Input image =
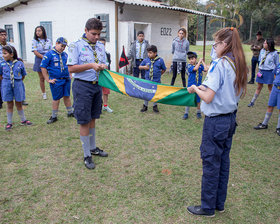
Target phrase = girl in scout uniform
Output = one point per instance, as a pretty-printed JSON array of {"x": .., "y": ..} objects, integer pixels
[
  {"x": 274, "y": 100},
  {"x": 40, "y": 45},
  {"x": 220, "y": 92},
  {"x": 12, "y": 72},
  {"x": 268, "y": 60}
]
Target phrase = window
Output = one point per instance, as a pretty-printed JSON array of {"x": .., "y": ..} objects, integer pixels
[
  {"x": 104, "y": 18},
  {"x": 48, "y": 27},
  {"x": 10, "y": 33}
]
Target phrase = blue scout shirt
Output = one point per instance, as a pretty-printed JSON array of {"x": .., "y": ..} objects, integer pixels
[
  {"x": 143, "y": 45},
  {"x": 220, "y": 78},
  {"x": 195, "y": 77},
  {"x": 277, "y": 75},
  {"x": 42, "y": 46},
  {"x": 18, "y": 69},
  {"x": 271, "y": 60},
  {"x": 80, "y": 52},
  {"x": 157, "y": 68},
  {"x": 51, "y": 61}
]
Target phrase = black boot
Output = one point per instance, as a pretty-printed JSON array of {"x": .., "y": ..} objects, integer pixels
[
  {"x": 155, "y": 109},
  {"x": 145, "y": 108}
]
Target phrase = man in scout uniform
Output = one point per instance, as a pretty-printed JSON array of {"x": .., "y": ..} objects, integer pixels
[{"x": 86, "y": 58}]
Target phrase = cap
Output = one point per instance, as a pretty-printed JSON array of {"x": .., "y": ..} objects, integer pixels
[
  {"x": 62, "y": 40},
  {"x": 192, "y": 53},
  {"x": 259, "y": 33}
]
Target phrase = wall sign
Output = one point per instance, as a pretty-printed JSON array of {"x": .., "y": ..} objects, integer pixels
[{"x": 164, "y": 31}]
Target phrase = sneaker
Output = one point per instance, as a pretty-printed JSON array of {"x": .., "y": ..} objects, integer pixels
[
  {"x": 71, "y": 114},
  {"x": 145, "y": 108},
  {"x": 8, "y": 127},
  {"x": 198, "y": 115},
  {"x": 52, "y": 120},
  {"x": 197, "y": 210},
  {"x": 24, "y": 103},
  {"x": 26, "y": 123},
  {"x": 44, "y": 95},
  {"x": 278, "y": 131},
  {"x": 251, "y": 104},
  {"x": 155, "y": 109},
  {"x": 108, "y": 109},
  {"x": 220, "y": 210},
  {"x": 251, "y": 82},
  {"x": 89, "y": 163},
  {"x": 98, "y": 152},
  {"x": 186, "y": 116},
  {"x": 261, "y": 126}
]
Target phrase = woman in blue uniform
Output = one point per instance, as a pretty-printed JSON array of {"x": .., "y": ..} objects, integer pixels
[
  {"x": 40, "y": 45},
  {"x": 268, "y": 60},
  {"x": 220, "y": 92}
]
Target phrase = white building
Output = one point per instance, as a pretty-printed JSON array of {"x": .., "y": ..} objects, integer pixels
[{"x": 121, "y": 20}]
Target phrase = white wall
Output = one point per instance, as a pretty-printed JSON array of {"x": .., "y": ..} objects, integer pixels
[
  {"x": 158, "y": 18},
  {"x": 68, "y": 20}
]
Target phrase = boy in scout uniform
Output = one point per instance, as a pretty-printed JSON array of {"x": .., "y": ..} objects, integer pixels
[
  {"x": 86, "y": 58},
  {"x": 55, "y": 72}
]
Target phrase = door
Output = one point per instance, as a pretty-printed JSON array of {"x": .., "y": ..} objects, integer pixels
[{"x": 22, "y": 43}]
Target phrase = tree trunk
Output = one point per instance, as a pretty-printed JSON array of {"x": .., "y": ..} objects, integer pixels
[{"x": 251, "y": 27}]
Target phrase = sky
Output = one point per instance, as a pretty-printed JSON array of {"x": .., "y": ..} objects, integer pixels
[{"x": 203, "y": 1}]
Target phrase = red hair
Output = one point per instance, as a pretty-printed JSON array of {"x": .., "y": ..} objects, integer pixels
[{"x": 230, "y": 36}]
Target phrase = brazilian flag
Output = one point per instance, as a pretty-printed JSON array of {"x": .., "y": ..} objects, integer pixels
[{"x": 146, "y": 90}]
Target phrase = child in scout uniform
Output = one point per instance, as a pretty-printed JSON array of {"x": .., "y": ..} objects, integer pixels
[
  {"x": 12, "y": 72},
  {"x": 268, "y": 61},
  {"x": 40, "y": 46},
  {"x": 274, "y": 100},
  {"x": 225, "y": 82},
  {"x": 55, "y": 72},
  {"x": 154, "y": 67},
  {"x": 86, "y": 58},
  {"x": 106, "y": 91},
  {"x": 138, "y": 52},
  {"x": 195, "y": 70}
]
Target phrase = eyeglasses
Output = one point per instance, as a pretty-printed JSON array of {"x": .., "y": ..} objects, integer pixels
[{"x": 216, "y": 44}]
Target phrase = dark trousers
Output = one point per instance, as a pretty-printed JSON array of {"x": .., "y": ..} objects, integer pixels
[
  {"x": 254, "y": 61},
  {"x": 215, "y": 148},
  {"x": 136, "y": 70},
  {"x": 1, "y": 101},
  {"x": 183, "y": 73}
]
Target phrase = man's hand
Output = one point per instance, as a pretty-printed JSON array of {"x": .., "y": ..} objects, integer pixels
[
  {"x": 52, "y": 81},
  {"x": 191, "y": 89}
]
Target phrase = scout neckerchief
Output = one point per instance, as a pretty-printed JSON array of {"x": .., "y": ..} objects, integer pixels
[
  {"x": 60, "y": 59},
  {"x": 43, "y": 43},
  {"x": 140, "y": 50},
  {"x": 12, "y": 72},
  {"x": 230, "y": 61},
  {"x": 93, "y": 48},
  {"x": 152, "y": 66},
  {"x": 263, "y": 60}
]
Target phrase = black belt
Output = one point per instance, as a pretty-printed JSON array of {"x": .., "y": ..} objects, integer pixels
[
  {"x": 91, "y": 82},
  {"x": 223, "y": 115},
  {"x": 139, "y": 59},
  {"x": 59, "y": 78}
]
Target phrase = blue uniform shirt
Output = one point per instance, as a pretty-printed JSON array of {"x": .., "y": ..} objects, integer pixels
[
  {"x": 80, "y": 52},
  {"x": 220, "y": 78},
  {"x": 277, "y": 75},
  {"x": 18, "y": 70},
  {"x": 51, "y": 61},
  {"x": 195, "y": 77},
  {"x": 157, "y": 68},
  {"x": 271, "y": 61},
  {"x": 42, "y": 46},
  {"x": 143, "y": 45}
]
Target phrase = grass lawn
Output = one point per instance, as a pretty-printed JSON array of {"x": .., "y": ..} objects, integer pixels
[{"x": 153, "y": 171}]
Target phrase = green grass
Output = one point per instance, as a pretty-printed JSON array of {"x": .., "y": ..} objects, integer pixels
[{"x": 153, "y": 171}]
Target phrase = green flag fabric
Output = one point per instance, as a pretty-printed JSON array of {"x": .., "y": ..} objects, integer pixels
[{"x": 146, "y": 90}]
